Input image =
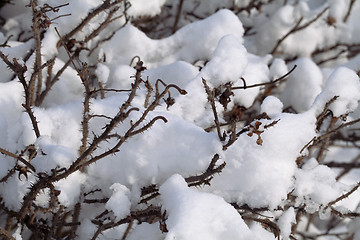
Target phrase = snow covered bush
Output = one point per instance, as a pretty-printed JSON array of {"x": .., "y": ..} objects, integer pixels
[{"x": 218, "y": 119}]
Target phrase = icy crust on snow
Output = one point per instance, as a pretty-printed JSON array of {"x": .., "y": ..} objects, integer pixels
[
  {"x": 197, "y": 215},
  {"x": 201, "y": 37}
]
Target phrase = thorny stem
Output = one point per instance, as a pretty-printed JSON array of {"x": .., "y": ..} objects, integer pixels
[
  {"x": 86, "y": 111},
  {"x": 103, "y": 24},
  {"x": 37, "y": 65},
  {"x": 106, "y": 5},
  {"x": 10, "y": 154},
  {"x": 33, "y": 120},
  {"x": 213, "y": 107}
]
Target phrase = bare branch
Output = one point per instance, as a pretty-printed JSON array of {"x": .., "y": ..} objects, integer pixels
[
  {"x": 280, "y": 79},
  {"x": 297, "y": 28}
]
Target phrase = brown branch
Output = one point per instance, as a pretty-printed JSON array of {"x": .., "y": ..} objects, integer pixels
[
  {"x": 325, "y": 143},
  {"x": 33, "y": 120},
  {"x": 50, "y": 82},
  {"x": 37, "y": 74},
  {"x": 343, "y": 196},
  {"x": 177, "y": 17},
  {"x": 10, "y": 154},
  {"x": 131, "y": 130},
  {"x": 86, "y": 110},
  {"x": 103, "y": 24},
  {"x": 348, "y": 166},
  {"x": 127, "y": 231},
  {"x": 297, "y": 28},
  {"x": 322, "y": 116},
  {"x": 213, "y": 107},
  {"x": 142, "y": 215},
  {"x": 106, "y": 5},
  {"x": 149, "y": 125},
  {"x": 347, "y": 15},
  {"x": 316, "y": 140},
  {"x": 206, "y": 177},
  {"x": 9, "y": 174},
  {"x": 280, "y": 79},
  {"x": 7, "y": 235},
  {"x": 19, "y": 71}
]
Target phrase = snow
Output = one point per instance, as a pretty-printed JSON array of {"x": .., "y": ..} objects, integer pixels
[
  {"x": 285, "y": 222},
  {"x": 316, "y": 185},
  {"x": 272, "y": 106},
  {"x": 228, "y": 62},
  {"x": 202, "y": 37},
  {"x": 144, "y": 7},
  {"x": 201, "y": 215},
  {"x": 70, "y": 188},
  {"x": 344, "y": 83},
  {"x": 102, "y": 72},
  {"x": 303, "y": 85},
  {"x": 269, "y": 185},
  {"x": 267, "y": 166},
  {"x": 119, "y": 202}
]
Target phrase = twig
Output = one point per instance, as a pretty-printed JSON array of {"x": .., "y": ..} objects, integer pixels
[
  {"x": 213, "y": 107},
  {"x": 103, "y": 24},
  {"x": 206, "y": 177},
  {"x": 349, "y": 10},
  {"x": 6, "y": 234},
  {"x": 343, "y": 196},
  {"x": 33, "y": 120},
  {"x": 322, "y": 116},
  {"x": 321, "y": 153},
  {"x": 106, "y": 5},
  {"x": 177, "y": 17},
  {"x": 280, "y": 79},
  {"x": 127, "y": 231},
  {"x": 10, "y": 154},
  {"x": 37, "y": 74},
  {"x": 315, "y": 140},
  {"x": 297, "y": 28}
]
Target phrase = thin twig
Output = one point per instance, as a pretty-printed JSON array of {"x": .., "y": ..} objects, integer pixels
[
  {"x": 177, "y": 17},
  {"x": 347, "y": 15},
  {"x": 297, "y": 28},
  {"x": 33, "y": 120},
  {"x": 213, "y": 107},
  {"x": 10, "y": 154},
  {"x": 280, "y": 79}
]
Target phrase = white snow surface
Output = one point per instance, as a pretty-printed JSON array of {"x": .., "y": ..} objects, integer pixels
[{"x": 219, "y": 220}]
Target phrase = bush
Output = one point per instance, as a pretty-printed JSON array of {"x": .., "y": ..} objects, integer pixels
[{"x": 179, "y": 119}]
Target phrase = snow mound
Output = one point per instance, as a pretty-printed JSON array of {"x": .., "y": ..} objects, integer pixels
[{"x": 194, "y": 214}]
